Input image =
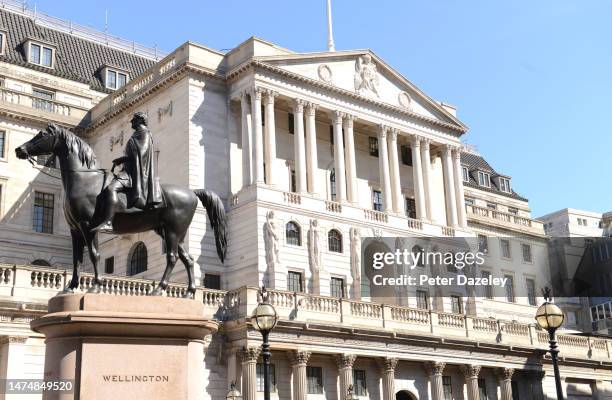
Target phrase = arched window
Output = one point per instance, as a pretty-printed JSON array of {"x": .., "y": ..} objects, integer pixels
[
  {"x": 41, "y": 263},
  {"x": 138, "y": 259},
  {"x": 334, "y": 241},
  {"x": 293, "y": 233},
  {"x": 332, "y": 184},
  {"x": 418, "y": 252}
]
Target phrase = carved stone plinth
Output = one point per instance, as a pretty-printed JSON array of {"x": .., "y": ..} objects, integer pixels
[{"x": 120, "y": 347}]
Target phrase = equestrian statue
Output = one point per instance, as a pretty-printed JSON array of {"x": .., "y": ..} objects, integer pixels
[{"x": 130, "y": 201}]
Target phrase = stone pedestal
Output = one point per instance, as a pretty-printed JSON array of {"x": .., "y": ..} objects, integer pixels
[{"x": 120, "y": 347}]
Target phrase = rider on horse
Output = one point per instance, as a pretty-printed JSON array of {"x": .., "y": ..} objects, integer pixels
[{"x": 138, "y": 178}]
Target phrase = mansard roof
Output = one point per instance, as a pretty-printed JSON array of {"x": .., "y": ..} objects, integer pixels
[
  {"x": 475, "y": 162},
  {"x": 77, "y": 59}
]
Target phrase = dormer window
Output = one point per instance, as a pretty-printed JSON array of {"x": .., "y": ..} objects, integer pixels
[
  {"x": 504, "y": 185},
  {"x": 484, "y": 179},
  {"x": 2, "y": 41},
  {"x": 114, "y": 79},
  {"x": 465, "y": 174},
  {"x": 40, "y": 54}
]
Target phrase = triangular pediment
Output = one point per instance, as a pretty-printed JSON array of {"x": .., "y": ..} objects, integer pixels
[{"x": 365, "y": 74}]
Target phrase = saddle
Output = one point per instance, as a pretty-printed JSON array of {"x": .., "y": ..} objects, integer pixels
[{"x": 122, "y": 198}]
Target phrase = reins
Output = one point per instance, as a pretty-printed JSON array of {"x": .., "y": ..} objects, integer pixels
[{"x": 35, "y": 166}]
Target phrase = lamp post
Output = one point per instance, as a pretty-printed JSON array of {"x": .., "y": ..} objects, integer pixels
[
  {"x": 265, "y": 318},
  {"x": 233, "y": 393},
  {"x": 550, "y": 317}
]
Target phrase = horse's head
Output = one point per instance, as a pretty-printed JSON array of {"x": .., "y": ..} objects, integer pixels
[{"x": 44, "y": 143}]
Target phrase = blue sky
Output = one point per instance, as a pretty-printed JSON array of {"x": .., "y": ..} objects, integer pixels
[{"x": 530, "y": 78}]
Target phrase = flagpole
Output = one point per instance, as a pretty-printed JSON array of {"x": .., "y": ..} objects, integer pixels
[{"x": 330, "y": 33}]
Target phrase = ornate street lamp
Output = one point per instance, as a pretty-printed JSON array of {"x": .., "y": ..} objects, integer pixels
[
  {"x": 265, "y": 318},
  {"x": 550, "y": 317},
  {"x": 233, "y": 393}
]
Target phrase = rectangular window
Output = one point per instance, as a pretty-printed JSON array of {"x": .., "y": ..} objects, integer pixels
[
  {"x": 122, "y": 80},
  {"x": 373, "y": 146},
  {"x": 504, "y": 185},
  {"x": 291, "y": 123},
  {"x": 260, "y": 377},
  {"x": 509, "y": 288},
  {"x": 465, "y": 174},
  {"x": 2, "y": 143},
  {"x": 488, "y": 289},
  {"x": 1, "y": 42},
  {"x": 111, "y": 79},
  {"x": 410, "y": 208},
  {"x": 337, "y": 287},
  {"x": 293, "y": 184},
  {"x": 482, "y": 389},
  {"x": 422, "y": 299},
  {"x": 47, "y": 57},
  {"x": 456, "y": 304},
  {"x": 377, "y": 200},
  {"x": 483, "y": 244},
  {"x": 41, "y": 55},
  {"x": 109, "y": 265},
  {"x": 34, "y": 53},
  {"x": 406, "y": 155},
  {"x": 212, "y": 281},
  {"x": 484, "y": 179},
  {"x": 531, "y": 291},
  {"x": 526, "y": 249},
  {"x": 42, "y": 100},
  {"x": 505, "y": 248},
  {"x": 42, "y": 220},
  {"x": 359, "y": 382},
  {"x": 294, "y": 281},
  {"x": 447, "y": 387},
  {"x": 314, "y": 380}
]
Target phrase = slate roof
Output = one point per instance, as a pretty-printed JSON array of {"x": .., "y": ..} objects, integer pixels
[
  {"x": 76, "y": 58},
  {"x": 475, "y": 162}
]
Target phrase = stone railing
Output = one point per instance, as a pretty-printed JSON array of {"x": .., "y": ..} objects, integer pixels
[
  {"x": 21, "y": 102},
  {"x": 292, "y": 198},
  {"x": 511, "y": 220},
  {"x": 377, "y": 216},
  {"x": 333, "y": 206}
]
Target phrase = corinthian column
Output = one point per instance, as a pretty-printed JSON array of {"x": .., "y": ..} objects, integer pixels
[
  {"x": 311, "y": 148},
  {"x": 247, "y": 149},
  {"x": 298, "y": 360},
  {"x": 383, "y": 167},
  {"x": 339, "y": 157},
  {"x": 449, "y": 187},
  {"x": 257, "y": 135},
  {"x": 345, "y": 372},
  {"x": 298, "y": 146},
  {"x": 426, "y": 166},
  {"x": 270, "y": 137},
  {"x": 396, "y": 186},
  {"x": 417, "y": 176},
  {"x": 461, "y": 217},
  {"x": 387, "y": 367},
  {"x": 504, "y": 377},
  {"x": 351, "y": 166},
  {"x": 249, "y": 357},
  {"x": 470, "y": 372},
  {"x": 435, "y": 370}
]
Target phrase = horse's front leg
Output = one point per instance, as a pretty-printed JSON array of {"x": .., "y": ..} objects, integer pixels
[
  {"x": 91, "y": 239},
  {"x": 77, "y": 257},
  {"x": 171, "y": 258}
]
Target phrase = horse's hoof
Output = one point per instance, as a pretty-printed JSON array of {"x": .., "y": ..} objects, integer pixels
[
  {"x": 68, "y": 289},
  {"x": 94, "y": 289},
  {"x": 158, "y": 291},
  {"x": 189, "y": 295}
]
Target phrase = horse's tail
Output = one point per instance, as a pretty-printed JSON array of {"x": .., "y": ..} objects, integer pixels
[{"x": 216, "y": 217}]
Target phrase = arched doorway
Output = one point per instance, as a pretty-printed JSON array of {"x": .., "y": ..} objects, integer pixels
[{"x": 404, "y": 395}]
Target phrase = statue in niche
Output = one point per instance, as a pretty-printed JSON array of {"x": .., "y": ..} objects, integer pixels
[
  {"x": 314, "y": 253},
  {"x": 271, "y": 240},
  {"x": 356, "y": 255},
  {"x": 366, "y": 75}
]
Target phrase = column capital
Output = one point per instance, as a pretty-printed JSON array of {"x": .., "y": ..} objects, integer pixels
[
  {"x": 299, "y": 357},
  {"x": 348, "y": 120},
  {"x": 470, "y": 371},
  {"x": 504, "y": 374},
  {"x": 393, "y": 132},
  {"x": 457, "y": 152},
  {"x": 311, "y": 108},
  {"x": 382, "y": 131},
  {"x": 416, "y": 140},
  {"x": 337, "y": 116},
  {"x": 387, "y": 364},
  {"x": 345, "y": 360},
  {"x": 250, "y": 354},
  {"x": 269, "y": 96},
  {"x": 435, "y": 367},
  {"x": 426, "y": 143},
  {"x": 256, "y": 92},
  {"x": 298, "y": 105}
]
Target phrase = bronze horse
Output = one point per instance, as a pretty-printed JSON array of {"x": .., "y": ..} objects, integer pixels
[{"x": 83, "y": 182}]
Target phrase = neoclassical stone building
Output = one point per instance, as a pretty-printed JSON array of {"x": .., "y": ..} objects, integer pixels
[{"x": 311, "y": 152}]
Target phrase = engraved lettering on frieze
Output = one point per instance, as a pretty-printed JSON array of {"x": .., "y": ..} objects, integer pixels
[
  {"x": 366, "y": 76},
  {"x": 116, "y": 140},
  {"x": 167, "y": 110}
]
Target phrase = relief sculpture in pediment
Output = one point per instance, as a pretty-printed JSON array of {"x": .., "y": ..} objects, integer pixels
[{"x": 366, "y": 76}]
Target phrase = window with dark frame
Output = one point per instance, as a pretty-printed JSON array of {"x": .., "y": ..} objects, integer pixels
[
  {"x": 293, "y": 183},
  {"x": 2, "y": 143},
  {"x": 488, "y": 289},
  {"x": 337, "y": 287},
  {"x": 359, "y": 382},
  {"x": 260, "y": 377},
  {"x": 41, "y": 55},
  {"x": 509, "y": 287},
  {"x": 410, "y": 208},
  {"x": 421, "y": 259},
  {"x": 331, "y": 134},
  {"x": 332, "y": 185},
  {"x": 482, "y": 389},
  {"x": 526, "y": 250},
  {"x": 293, "y": 234},
  {"x": 465, "y": 174},
  {"x": 531, "y": 291},
  {"x": 42, "y": 219},
  {"x": 484, "y": 179},
  {"x": 42, "y": 99},
  {"x": 212, "y": 281},
  {"x": 109, "y": 265},
  {"x": 373, "y": 146},
  {"x": 314, "y": 380},
  {"x": 483, "y": 244},
  {"x": 1, "y": 42},
  {"x": 447, "y": 387},
  {"x": 115, "y": 79},
  {"x": 334, "y": 241},
  {"x": 505, "y": 247},
  {"x": 291, "y": 123},
  {"x": 377, "y": 200},
  {"x": 294, "y": 281},
  {"x": 406, "y": 155},
  {"x": 422, "y": 298},
  {"x": 456, "y": 304},
  {"x": 138, "y": 259}
]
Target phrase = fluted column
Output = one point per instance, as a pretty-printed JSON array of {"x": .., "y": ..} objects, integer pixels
[
  {"x": 470, "y": 372},
  {"x": 387, "y": 366},
  {"x": 270, "y": 137},
  {"x": 426, "y": 167},
  {"x": 345, "y": 372},
  {"x": 435, "y": 370},
  {"x": 311, "y": 148},
  {"x": 383, "y": 167},
  {"x": 461, "y": 215},
  {"x": 504, "y": 377},
  {"x": 339, "y": 157},
  {"x": 298, "y": 146},
  {"x": 351, "y": 166},
  {"x": 417, "y": 176},
  {"x": 249, "y": 357},
  {"x": 449, "y": 187},
  {"x": 257, "y": 135},
  {"x": 396, "y": 186},
  {"x": 247, "y": 149},
  {"x": 299, "y": 360}
]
